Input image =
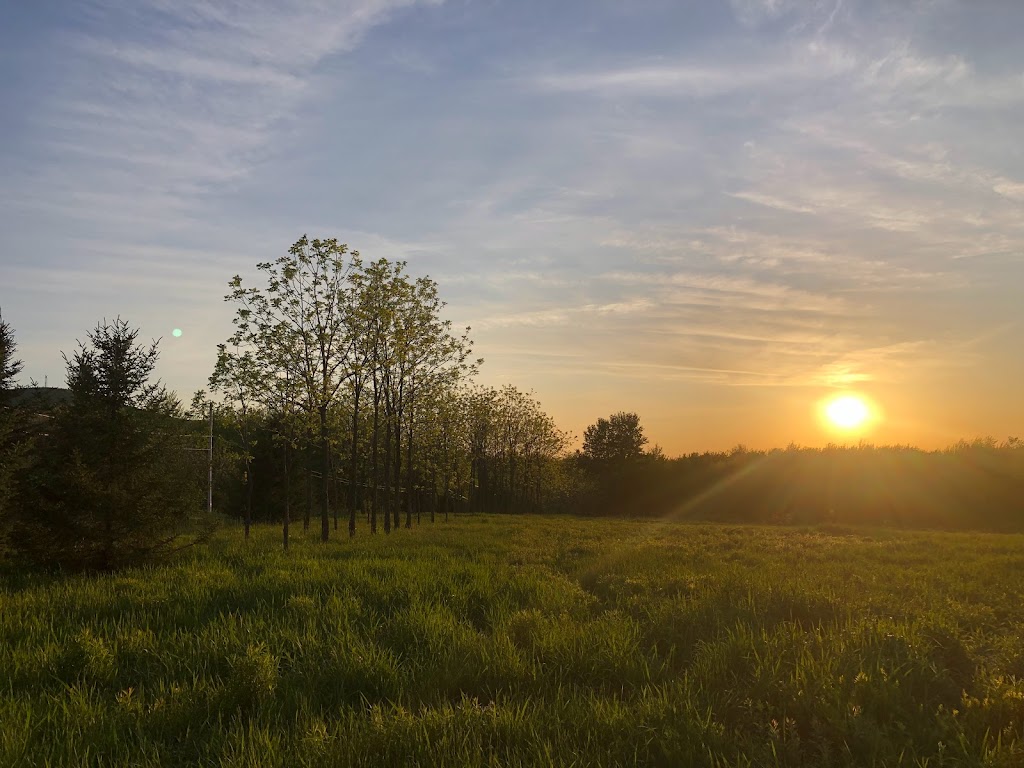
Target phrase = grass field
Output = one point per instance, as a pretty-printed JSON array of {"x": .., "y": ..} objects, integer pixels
[{"x": 528, "y": 641}]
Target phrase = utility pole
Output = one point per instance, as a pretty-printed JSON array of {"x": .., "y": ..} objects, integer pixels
[{"x": 209, "y": 487}]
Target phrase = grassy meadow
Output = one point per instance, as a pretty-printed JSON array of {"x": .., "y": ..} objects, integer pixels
[{"x": 519, "y": 641}]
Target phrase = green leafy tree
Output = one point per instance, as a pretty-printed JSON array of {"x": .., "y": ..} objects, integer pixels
[
  {"x": 616, "y": 440},
  {"x": 434, "y": 358},
  {"x": 239, "y": 378},
  {"x": 370, "y": 319},
  {"x": 513, "y": 447},
  {"x": 284, "y": 407},
  {"x": 297, "y": 323},
  {"x": 611, "y": 465},
  {"x": 117, "y": 484}
]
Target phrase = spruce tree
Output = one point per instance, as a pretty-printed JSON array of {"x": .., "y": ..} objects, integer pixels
[
  {"x": 118, "y": 485},
  {"x": 13, "y": 433}
]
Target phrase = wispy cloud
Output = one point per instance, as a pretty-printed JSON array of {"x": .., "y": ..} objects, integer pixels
[
  {"x": 164, "y": 119},
  {"x": 563, "y": 315},
  {"x": 710, "y": 288},
  {"x": 162, "y": 113},
  {"x": 798, "y": 65},
  {"x": 892, "y": 362}
]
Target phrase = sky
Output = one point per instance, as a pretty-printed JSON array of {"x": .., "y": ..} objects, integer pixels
[{"x": 714, "y": 214}]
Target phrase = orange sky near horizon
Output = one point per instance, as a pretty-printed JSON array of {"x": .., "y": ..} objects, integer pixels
[{"x": 932, "y": 408}]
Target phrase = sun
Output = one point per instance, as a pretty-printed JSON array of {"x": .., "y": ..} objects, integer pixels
[{"x": 847, "y": 412}]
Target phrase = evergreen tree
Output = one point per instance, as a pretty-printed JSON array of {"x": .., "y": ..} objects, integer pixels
[
  {"x": 9, "y": 366},
  {"x": 14, "y": 441},
  {"x": 117, "y": 484}
]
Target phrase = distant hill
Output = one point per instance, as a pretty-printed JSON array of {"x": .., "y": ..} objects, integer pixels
[
  {"x": 41, "y": 399},
  {"x": 45, "y": 399}
]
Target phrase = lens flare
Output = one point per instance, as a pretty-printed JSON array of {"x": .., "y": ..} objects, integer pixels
[{"x": 176, "y": 333}]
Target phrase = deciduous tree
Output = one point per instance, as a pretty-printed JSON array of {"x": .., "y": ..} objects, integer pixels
[
  {"x": 615, "y": 440},
  {"x": 297, "y": 323}
]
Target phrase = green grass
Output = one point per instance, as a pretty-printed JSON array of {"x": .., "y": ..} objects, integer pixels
[{"x": 528, "y": 641}]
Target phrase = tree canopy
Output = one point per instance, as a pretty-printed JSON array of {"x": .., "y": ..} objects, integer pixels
[
  {"x": 114, "y": 484},
  {"x": 615, "y": 440}
]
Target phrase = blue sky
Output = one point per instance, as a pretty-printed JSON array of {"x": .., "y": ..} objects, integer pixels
[{"x": 711, "y": 213}]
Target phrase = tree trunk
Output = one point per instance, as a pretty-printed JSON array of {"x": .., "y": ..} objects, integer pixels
[
  {"x": 287, "y": 493},
  {"x": 325, "y": 468},
  {"x": 335, "y": 495},
  {"x": 308, "y": 510},
  {"x": 408, "y": 472},
  {"x": 248, "y": 497},
  {"x": 387, "y": 474},
  {"x": 433, "y": 493},
  {"x": 447, "y": 484},
  {"x": 397, "y": 506},
  {"x": 353, "y": 460},
  {"x": 374, "y": 462}
]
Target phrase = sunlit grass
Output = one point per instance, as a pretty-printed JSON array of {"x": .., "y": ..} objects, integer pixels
[{"x": 526, "y": 641}]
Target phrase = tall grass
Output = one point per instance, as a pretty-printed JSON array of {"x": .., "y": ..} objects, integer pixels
[{"x": 519, "y": 641}]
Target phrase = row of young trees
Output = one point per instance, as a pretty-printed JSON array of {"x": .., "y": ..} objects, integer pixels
[
  {"x": 347, "y": 372},
  {"x": 479, "y": 449}
]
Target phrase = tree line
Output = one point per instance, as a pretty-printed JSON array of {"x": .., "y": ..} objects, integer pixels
[
  {"x": 972, "y": 485},
  {"x": 351, "y": 397}
]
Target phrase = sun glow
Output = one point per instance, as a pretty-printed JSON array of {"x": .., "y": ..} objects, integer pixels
[{"x": 847, "y": 412}]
